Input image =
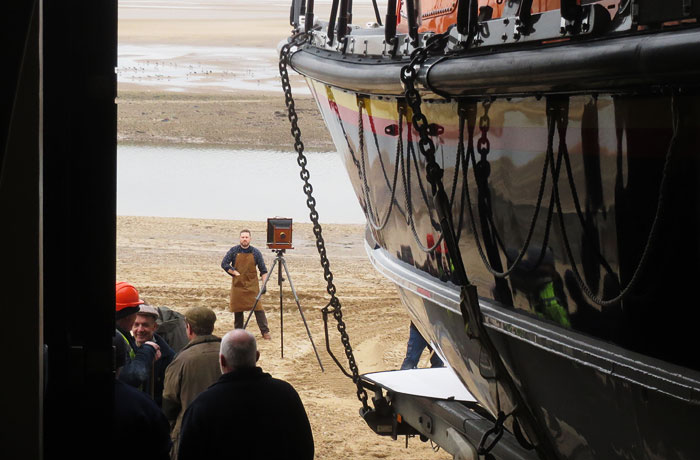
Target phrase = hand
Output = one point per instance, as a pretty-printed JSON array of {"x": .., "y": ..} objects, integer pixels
[
  {"x": 235, "y": 272},
  {"x": 156, "y": 347}
]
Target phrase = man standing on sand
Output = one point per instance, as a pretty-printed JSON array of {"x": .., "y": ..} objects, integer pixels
[
  {"x": 240, "y": 262},
  {"x": 193, "y": 369},
  {"x": 246, "y": 413}
]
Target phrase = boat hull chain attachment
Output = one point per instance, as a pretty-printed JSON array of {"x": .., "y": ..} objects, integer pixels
[{"x": 334, "y": 306}]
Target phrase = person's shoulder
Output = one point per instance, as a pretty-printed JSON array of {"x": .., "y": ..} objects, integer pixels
[
  {"x": 165, "y": 347},
  {"x": 280, "y": 384},
  {"x": 124, "y": 393},
  {"x": 211, "y": 395}
]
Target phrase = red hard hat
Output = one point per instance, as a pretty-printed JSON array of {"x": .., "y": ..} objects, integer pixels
[{"x": 127, "y": 296}]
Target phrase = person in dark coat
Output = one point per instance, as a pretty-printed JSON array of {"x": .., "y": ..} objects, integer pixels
[
  {"x": 139, "y": 360},
  {"x": 139, "y": 426},
  {"x": 247, "y": 412},
  {"x": 144, "y": 330}
]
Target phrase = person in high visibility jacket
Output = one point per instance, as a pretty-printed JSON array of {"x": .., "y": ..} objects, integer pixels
[
  {"x": 139, "y": 360},
  {"x": 138, "y": 424},
  {"x": 144, "y": 330}
]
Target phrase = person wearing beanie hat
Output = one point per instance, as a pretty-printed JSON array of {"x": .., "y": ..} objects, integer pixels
[
  {"x": 194, "y": 368},
  {"x": 137, "y": 369}
]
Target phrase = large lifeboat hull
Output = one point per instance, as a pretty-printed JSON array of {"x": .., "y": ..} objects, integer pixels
[{"x": 573, "y": 168}]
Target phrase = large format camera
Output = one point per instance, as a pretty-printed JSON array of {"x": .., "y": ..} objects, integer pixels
[{"x": 279, "y": 233}]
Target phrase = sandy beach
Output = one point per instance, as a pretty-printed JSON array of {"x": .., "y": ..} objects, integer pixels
[
  {"x": 176, "y": 263},
  {"x": 191, "y": 91}
]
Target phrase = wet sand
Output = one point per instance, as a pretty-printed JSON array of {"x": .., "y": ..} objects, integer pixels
[
  {"x": 176, "y": 263},
  {"x": 245, "y": 119}
]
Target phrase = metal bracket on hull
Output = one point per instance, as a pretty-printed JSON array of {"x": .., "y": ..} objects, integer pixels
[
  {"x": 469, "y": 304},
  {"x": 542, "y": 27},
  {"x": 455, "y": 422}
]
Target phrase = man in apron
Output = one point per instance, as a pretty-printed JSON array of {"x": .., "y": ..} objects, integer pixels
[{"x": 240, "y": 262}]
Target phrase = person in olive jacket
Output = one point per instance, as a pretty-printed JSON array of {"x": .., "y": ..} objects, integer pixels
[
  {"x": 247, "y": 412},
  {"x": 193, "y": 370}
]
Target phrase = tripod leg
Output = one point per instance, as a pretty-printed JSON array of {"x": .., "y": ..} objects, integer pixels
[
  {"x": 257, "y": 298},
  {"x": 296, "y": 298},
  {"x": 279, "y": 282}
]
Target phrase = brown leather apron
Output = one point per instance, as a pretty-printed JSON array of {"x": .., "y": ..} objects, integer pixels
[{"x": 244, "y": 287}]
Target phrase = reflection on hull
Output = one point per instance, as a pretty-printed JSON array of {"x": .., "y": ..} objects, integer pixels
[
  {"x": 597, "y": 400},
  {"x": 569, "y": 156},
  {"x": 577, "y": 244}
]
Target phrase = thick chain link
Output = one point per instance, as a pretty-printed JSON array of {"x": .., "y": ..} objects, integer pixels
[
  {"x": 434, "y": 173},
  {"x": 333, "y": 305},
  {"x": 409, "y": 75}
]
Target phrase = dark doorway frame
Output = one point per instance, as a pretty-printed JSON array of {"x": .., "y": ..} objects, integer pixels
[{"x": 58, "y": 234}]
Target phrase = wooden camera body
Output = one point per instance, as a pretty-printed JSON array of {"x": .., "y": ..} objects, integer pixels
[{"x": 279, "y": 233}]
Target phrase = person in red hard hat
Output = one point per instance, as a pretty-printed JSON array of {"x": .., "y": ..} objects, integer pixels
[{"x": 137, "y": 369}]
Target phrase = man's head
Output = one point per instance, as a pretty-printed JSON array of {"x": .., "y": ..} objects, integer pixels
[
  {"x": 145, "y": 325},
  {"x": 238, "y": 351},
  {"x": 199, "y": 321},
  {"x": 245, "y": 238},
  {"x": 128, "y": 302}
]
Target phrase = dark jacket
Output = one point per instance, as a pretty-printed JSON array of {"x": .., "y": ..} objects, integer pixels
[
  {"x": 140, "y": 428},
  {"x": 166, "y": 357},
  {"x": 264, "y": 415},
  {"x": 137, "y": 370}
]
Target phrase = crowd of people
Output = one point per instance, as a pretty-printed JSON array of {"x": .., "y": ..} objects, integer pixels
[
  {"x": 188, "y": 404},
  {"x": 184, "y": 393}
]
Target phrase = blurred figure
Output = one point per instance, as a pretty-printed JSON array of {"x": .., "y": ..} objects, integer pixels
[
  {"x": 414, "y": 350},
  {"x": 171, "y": 327},
  {"x": 139, "y": 425},
  {"x": 144, "y": 330},
  {"x": 193, "y": 370},
  {"x": 537, "y": 278},
  {"x": 265, "y": 414}
]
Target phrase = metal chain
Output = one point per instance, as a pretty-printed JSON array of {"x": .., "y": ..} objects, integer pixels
[
  {"x": 434, "y": 173},
  {"x": 373, "y": 130},
  {"x": 365, "y": 185},
  {"x": 481, "y": 171},
  {"x": 405, "y": 172},
  {"x": 333, "y": 305},
  {"x": 469, "y": 303},
  {"x": 560, "y": 119}
]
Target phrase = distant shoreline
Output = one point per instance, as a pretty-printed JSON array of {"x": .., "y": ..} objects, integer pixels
[{"x": 244, "y": 119}]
